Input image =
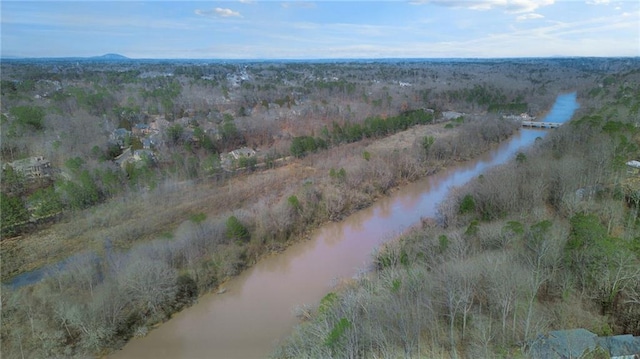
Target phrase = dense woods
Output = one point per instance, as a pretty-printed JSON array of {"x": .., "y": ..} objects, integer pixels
[{"x": 143, "y": 205}]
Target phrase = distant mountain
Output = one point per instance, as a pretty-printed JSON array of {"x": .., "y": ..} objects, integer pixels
[
  {"x": 104, "y": 58},
  {"x": 109, "y": 57}
]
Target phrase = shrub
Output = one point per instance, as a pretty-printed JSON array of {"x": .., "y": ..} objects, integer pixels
[
  {"x": 467, "y": 205},
  {"x": 236, "y": 230},
  {"x": 13, "y": 213},
  {"x": 186, "y": 293}
]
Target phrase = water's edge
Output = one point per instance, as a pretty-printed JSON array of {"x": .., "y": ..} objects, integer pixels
[{"x": 257, "y": 309}]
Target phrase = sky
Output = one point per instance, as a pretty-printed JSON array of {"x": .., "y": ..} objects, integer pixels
[{"x": 269, "y": 29}]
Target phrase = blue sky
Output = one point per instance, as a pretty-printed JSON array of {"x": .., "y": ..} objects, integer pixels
[{"x": 261, "y": 29}]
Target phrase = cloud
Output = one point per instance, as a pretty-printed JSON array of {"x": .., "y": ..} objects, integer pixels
[
  {"x": 218, "y": 12},
  {"x": 598, "y": 2},
  {"x": 529, "y": 16},
  {"x": 510, "y": 6},
  {"x": 247, "y": 1}
]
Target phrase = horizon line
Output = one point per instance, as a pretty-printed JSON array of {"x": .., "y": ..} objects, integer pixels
[{"x": 124, "y": 58}]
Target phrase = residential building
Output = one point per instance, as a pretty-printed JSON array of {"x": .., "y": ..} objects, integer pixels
[
  {"x": 32, "y": 167},
  {"x": 633, "y": 167},
  {"x": 576, "y": 343}
]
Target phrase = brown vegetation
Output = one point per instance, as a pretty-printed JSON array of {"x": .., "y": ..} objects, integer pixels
[
  {"x": 140, "y": 243},
  {"x": 548, "y": 241}
]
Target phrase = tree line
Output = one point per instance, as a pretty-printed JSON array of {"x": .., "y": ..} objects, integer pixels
[{"x": 371, "y": 127}]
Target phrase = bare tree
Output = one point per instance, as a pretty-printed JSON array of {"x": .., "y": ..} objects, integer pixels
[
  {"x": 457, "y": 285},
  {"x": 544, "y": 246},
  {"x": 504, "y": 282},
  {"x": 616, "y": 277},
  {"x": 149, "y": 283},
  {"x": 335, "y": 202}
]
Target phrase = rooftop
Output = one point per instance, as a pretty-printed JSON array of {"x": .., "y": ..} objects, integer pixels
[{"x": 574, "y": 343}]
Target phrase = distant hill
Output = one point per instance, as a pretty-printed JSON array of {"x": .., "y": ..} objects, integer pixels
[
  {"x": 102, "y": 58},
  {"x": 109, "y": 57}
]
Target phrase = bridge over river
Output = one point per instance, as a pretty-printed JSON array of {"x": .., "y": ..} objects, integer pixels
[{"x": 540, "y": 124}]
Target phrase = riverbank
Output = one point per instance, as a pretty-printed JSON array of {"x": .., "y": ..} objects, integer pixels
[
  {"x": 256, "y": 309},
  {"x": 524, "y": 252},
  {"x": 202, "y": 252}
]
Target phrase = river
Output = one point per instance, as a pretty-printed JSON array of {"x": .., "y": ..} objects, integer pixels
[{"x": 257, "y": 310}]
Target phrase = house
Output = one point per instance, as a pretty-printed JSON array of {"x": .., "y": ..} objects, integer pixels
[
  {"x": 242, "y": 152},
  {"x": 575, "y": 343},
  {"x": 32, "y": 167},
  {"x": 521, "y": 117},
  {"x": 141, "y": 129},
  {"x": 229, "y": 159},
  {"x": 133, "y": 157},
  {"x": 633, "y": 167},
  {"x": 621, "y": 346}
]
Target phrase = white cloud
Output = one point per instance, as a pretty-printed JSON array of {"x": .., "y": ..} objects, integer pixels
[
  {"x": 598, "y": 2},
  {"x": 226, "y": 12},
  {"x": 510, "y": 6},
  {"x": 218, "y": 12},
  {"x": 247, "y": 1},
  {"x": 521, "y": 6},
  {"x": 529, "y": 16}
]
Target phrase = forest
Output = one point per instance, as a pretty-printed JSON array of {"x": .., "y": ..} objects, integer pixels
[{"x": 254, "y": 155}]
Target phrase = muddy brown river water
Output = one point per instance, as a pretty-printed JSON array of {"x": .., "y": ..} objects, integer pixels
[{"x": 257, "y": 310}]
